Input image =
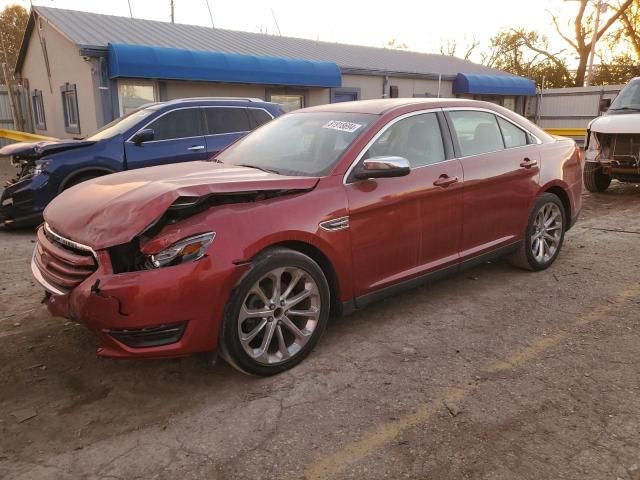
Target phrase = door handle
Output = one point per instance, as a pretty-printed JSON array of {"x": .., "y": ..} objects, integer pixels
[
  {"x": 196, "y": 148},
  {"x": 445, "y": 181},
  {"x": 528, "y": 163}
]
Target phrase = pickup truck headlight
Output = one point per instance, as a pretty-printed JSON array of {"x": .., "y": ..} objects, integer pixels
[{"x": 188, "y": 250}]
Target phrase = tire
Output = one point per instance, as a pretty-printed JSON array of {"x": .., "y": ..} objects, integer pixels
[
  {"x": 594, "y": 179},
  {"x": 547, "y": 240},
  {"x": 80, "y": 179},
  {"x": 289, "y": 337}
]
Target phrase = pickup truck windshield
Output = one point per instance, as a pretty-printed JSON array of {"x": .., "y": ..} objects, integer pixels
[
  {"x": 121, "y": 124},
  {"x": 628, "y": 98},
  {"x": 304, "y": 144}
]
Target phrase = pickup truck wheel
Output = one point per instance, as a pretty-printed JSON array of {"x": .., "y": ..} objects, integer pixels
[
  {"x": 276, "y": 314},
  {"x": 594, "y": 179},
  {"x": 543, "y": 236}
]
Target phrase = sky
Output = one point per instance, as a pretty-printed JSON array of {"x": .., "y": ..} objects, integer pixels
[{"x": 421, "y": 24}]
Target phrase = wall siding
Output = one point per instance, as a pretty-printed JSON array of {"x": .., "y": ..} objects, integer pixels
[{"x": 66, "y": 65}]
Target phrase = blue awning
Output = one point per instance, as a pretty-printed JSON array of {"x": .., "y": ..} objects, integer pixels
[
  {"x": 493, "y": 85},
  {"x": 142, "y": 61}
]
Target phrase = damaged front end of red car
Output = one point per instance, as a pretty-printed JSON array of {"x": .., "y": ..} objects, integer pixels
[{"x": 156, "y": 291}]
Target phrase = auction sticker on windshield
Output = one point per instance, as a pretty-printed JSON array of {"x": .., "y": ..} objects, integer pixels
[{"x": 342, "y": 126}]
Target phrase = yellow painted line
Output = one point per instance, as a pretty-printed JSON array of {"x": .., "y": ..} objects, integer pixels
[
  {"x": 22, "y": 136},
  {"x": 567, "y": 132},
  {"x": 385, "y": 433}
]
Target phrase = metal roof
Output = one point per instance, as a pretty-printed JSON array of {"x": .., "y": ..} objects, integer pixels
[{"x": 91, "y": 30}]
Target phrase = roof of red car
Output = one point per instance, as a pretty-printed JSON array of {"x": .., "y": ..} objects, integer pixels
[{"x": 381, "y": 106}]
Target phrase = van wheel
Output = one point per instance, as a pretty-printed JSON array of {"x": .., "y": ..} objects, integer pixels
[
  {"x": 543, "y": 236},
  {"x": 594, "y": 179},
  {"x": 276, "y": 314}
]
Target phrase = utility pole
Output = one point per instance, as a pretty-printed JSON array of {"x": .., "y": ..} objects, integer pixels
[
  {"x": 172, "y": 12},
  {"x": 210, "y": 14},
  {"x": 594, "y": 38}
]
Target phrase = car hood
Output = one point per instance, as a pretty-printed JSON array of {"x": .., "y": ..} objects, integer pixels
[
  {"x": 35, "y": 150},
  {"x": 627, "y": 123},
  {"x": 113, "y": 209}
]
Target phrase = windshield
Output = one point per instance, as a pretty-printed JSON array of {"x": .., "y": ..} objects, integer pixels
[
  {"x": 121, "y": 124},
  {"x": 305, "y": 144},
  {"x": 628, "y": 98}
]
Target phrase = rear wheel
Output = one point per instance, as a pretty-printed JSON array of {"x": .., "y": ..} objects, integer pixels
[
  {"x": 543, "y": 236},
  {"x": 276, "y": 314},
  {"x": 594, "y": 179}
]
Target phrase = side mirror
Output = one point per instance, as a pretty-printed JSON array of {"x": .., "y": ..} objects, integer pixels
[
  {"x": 144, "y": 135},
  {"x": 383, "y": 167},
  {"x": 605, "y": 103}
]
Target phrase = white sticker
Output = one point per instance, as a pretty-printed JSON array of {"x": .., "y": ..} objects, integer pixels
[{"x": 342, "y": 126}]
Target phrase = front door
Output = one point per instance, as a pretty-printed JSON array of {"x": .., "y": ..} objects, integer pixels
[
  {"x": 501, "y": 175},
  {"x": 404, "y": 227},
  {"x": 178, "y": 137}
]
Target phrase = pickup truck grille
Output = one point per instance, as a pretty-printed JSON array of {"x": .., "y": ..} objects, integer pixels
[{"x": 62, "y": 263}]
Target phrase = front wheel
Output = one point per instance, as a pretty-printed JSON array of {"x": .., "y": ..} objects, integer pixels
[
  {"x": 594, "y": 179},
  {"x": 276, "y": 314},
  {"x": 543, "y": 236}
]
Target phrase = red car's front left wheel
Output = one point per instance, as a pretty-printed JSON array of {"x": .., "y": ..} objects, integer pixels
[{"x": 276, "y": 314}]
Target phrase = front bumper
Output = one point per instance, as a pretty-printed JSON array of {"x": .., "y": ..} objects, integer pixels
[
  {"x": 22, "y": 203},
  {"x": 168, "y": 312}
]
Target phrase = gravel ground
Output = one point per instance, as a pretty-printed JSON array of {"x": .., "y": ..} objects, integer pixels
[{"x": 491, "y": 374}]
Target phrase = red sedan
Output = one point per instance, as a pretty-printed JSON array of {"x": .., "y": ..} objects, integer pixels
[{"x": 321, "y": 211}]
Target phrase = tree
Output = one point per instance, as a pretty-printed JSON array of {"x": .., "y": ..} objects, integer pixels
[
  {"x": 629, "y": 29},
  {"x": 583, "y": 36},
  {"x": 393, "y": 43},
  {"x": 13, "y": 22},
  {"x": 526, "y": 53},
  {"x": 450, "y": 48}
]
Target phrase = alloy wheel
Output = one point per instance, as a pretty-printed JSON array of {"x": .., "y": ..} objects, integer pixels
[
  {"x": 279, "y": 315},
  {"x": 547, "y": 232}
]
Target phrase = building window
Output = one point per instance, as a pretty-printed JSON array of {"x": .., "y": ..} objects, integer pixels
[
  {"x": 288, "y": 100},
  {"x": 132, "y": 95},
  {"x": 38, "y": 110},
  {"x": 344, "y": 94},
  {"x": 69, "y": 96}
]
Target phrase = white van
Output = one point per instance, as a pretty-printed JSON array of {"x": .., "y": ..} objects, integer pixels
[{"x": 612, "y": 146}]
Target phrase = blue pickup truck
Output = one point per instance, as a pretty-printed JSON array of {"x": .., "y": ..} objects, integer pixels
[{"x": 155, "y": 134}]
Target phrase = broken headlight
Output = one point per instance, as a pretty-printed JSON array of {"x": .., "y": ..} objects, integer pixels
[
  {"x": 188, "y": 250},
  {"x": 40, "y": 166}
]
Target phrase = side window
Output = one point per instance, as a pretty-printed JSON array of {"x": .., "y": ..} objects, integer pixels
[
  {"x": 259, "y": 116},
  {"x": 416, "y": 138},
  {"x": 226, "y": 120},
  {"x": 183, "y": 123},
  {"x": 513, "y": 136},
  {"x": 477, "y": 132}
]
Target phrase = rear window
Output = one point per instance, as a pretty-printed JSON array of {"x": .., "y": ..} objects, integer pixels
[
  {"x": 259, "y": 116},
  {"x": 226, "y": 120},
  {"x": 477, "y": 132}
]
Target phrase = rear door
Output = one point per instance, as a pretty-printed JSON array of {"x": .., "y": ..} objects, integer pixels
[
  {"x": 500, "y": 162},
  {"x": 225, "y": 125},
  {"x": 178, "y": 137}
]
